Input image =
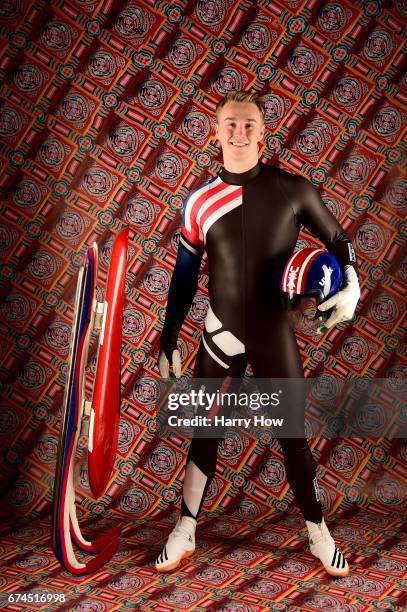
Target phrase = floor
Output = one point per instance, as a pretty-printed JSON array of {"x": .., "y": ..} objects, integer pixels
[{"x": 240, "y": 565}]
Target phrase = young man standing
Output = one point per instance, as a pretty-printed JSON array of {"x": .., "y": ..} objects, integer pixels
[{"x": 247, "y": 219}]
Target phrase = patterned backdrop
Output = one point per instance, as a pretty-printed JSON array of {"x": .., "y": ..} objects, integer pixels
[{"x": 106, "y": 113}]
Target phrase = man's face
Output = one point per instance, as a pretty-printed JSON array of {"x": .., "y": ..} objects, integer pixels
[{"x": 239, "y": 128}]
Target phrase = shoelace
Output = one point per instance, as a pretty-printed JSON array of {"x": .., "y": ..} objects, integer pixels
[{"x": 321, "y": 536}]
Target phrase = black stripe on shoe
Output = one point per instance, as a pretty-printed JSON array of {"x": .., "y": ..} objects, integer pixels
[
  {"x": 334, "y": 558},
  {"x": 339, "y": 561},
  {"x": 165, "y": 553}
]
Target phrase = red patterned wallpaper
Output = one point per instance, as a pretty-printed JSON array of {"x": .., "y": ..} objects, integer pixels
[{"x": 106, "y": 111}]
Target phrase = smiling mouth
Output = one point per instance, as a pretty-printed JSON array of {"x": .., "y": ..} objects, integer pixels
[{"x": 239, "y": 146}]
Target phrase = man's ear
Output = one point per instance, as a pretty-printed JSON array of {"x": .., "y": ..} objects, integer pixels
[
  {"x": 216, "y": 134},
  {"x": 262, "y": 132}
]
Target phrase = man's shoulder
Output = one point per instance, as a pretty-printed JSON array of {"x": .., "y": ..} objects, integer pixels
[
  {"x": 287, "y": 178},
  {"x": 202, "y": 187},
  {"x": 281, "y": 172}
]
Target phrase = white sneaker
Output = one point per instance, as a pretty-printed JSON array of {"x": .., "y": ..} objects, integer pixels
[
  {"x": 180, "y": 544},
  {"x": 323, "y": 547}
]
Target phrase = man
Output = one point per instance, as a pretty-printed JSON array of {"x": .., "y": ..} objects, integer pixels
[{"x": 247, "y": 220}]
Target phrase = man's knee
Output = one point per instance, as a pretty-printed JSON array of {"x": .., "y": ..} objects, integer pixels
[{"x": 203, "y": 452}]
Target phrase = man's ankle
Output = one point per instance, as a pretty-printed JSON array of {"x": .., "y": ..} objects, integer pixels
[{"x": 188, "y": 521}]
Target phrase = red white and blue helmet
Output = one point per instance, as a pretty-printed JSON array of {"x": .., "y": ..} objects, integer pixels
[{"x": 311, "y": 271}]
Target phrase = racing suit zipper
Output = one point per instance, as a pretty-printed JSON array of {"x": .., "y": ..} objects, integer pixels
[{"x": 243, "y": 268}]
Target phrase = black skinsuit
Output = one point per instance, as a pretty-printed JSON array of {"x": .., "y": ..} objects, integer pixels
[{"x": 248, "y": 223}]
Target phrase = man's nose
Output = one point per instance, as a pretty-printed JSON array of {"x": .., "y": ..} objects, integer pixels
[{"x": 240, "y": 130}]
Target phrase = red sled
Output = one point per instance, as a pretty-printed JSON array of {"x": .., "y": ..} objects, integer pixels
[{"x": 87, "y": 316}]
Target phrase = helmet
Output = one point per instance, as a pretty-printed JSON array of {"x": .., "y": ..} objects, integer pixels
[{"x": 311, "y": 271}]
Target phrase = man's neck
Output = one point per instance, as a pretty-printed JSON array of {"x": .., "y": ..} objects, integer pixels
[{"x": 240, "y": 167}]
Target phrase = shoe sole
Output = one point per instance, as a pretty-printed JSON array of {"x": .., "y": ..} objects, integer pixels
[
  {"x": 174, "y": 564},
  {"x": 337, "y": 573}
]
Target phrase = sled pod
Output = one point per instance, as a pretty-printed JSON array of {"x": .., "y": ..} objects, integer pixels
[
  {"x": 65, "y": 525},
  {"x": 103, "y": 409},
  {"x": 105, "y": 413}
]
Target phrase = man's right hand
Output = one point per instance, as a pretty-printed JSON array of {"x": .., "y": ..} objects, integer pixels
[{"x": 164, "y": 365}]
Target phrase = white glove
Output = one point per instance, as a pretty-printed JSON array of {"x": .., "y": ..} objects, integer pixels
[
  {"x": 164, "y": 364},
  {"x": 345, "y": 301}
]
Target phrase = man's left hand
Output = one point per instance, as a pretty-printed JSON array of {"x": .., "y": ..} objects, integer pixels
[
  {"x": 345, "y": 301},
  {"x": 164, "y": 364}
]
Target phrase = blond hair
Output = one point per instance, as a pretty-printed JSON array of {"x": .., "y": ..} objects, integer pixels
[{"x": 242, "y": 96}]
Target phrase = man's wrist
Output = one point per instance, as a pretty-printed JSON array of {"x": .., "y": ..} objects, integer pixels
[
  {"x": 167, "y": 346},
  {"x": 351, "y": 275}
]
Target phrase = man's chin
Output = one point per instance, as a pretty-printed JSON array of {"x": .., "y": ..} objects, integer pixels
[{"x": 236, "y": 152}]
